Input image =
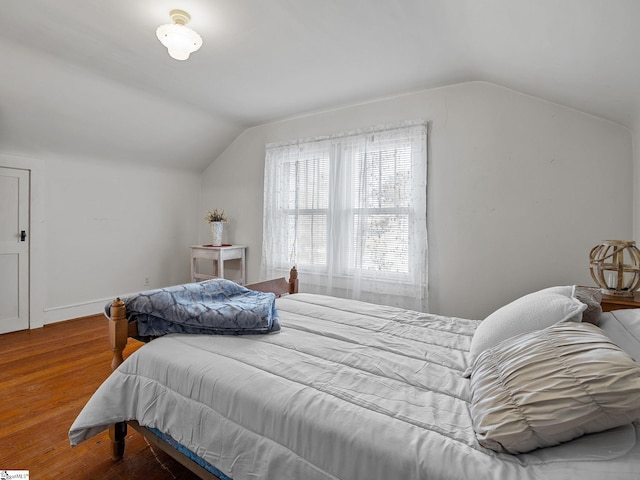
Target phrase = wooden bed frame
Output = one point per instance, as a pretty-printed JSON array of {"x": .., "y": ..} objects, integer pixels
[{"x": 119, "y": 332}]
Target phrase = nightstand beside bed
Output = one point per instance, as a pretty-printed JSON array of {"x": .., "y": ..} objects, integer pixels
[{"x": 612, "y": 302}]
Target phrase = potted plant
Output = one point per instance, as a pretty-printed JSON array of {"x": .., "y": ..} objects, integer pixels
[{"x": 216, "y": 220}]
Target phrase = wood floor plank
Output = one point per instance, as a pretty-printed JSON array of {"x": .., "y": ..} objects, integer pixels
[{"x": 46, "y": 377}]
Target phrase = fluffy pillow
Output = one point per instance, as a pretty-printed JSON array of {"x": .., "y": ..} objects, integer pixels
[
  {"x": 547, "y": 387},
  {"x": 623, "y": 328},
  {"x": 591, "y": 297},
  {"x": 526, "y": 314}
]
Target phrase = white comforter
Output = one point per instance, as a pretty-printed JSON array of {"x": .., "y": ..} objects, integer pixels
[{"x": 347, "y": 390}]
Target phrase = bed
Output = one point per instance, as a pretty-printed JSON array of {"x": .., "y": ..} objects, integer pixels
[{"x": 351, "y": 390}]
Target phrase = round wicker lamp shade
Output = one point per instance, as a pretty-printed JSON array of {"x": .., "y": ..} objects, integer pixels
[{"x": 615, "y": 267}]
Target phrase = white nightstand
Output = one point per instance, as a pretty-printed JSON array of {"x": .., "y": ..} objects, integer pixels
[{"x": 218, "y": 255}]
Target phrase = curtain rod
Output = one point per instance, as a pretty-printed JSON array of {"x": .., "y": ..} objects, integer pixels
[{"x": 352, "y": 133}]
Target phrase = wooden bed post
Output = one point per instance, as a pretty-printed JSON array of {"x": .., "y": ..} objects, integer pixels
[
  {"x": 293, "y": 280},
  {"x": 117, "y": 434},
  {"x": 118, "y": 334}
]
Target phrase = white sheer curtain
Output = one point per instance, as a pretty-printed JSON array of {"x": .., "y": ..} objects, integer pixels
[{"x": 350, "y": 212}]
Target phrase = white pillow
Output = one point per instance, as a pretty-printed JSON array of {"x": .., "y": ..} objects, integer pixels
[
  {"x": 534, "y": 311},
  {"x": 623, "y": 328},
  {"x": 591, "y": 297},
  {"x": 551, "y": 386}
]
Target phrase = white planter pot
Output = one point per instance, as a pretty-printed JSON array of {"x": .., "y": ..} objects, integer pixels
[{"x": 216, "y": 233}]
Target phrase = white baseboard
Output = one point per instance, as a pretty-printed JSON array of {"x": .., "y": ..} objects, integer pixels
[{"x": 68, "y": 312}]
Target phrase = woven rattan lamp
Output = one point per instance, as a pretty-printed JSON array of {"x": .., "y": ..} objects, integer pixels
[{"x": 615, "y": 267}]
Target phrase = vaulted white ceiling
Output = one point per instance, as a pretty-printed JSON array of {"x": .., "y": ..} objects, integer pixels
[{"x": 88, "y": 78}]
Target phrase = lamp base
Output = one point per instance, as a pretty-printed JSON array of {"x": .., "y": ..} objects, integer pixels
[{"x": 617, "y": 293}]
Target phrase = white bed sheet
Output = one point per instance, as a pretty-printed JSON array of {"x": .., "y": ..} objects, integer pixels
[{"x": 347, "y": 390}]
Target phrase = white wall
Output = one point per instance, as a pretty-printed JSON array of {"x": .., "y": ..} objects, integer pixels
[
  {"x": 636, "y": 183},
  {"x": 520, "y": 189},
  {"x": 103, "y": 228},
  {"x": 110, "y": 227},
  {"x": 108, "y": 211}
]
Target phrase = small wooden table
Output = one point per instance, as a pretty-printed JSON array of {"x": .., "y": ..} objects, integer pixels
[
  {"x": 614, "y": 302},
  {"x": 218, "y": 255}
]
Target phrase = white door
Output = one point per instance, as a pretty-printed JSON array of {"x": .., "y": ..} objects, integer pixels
[{"x": 14, "y": 249}]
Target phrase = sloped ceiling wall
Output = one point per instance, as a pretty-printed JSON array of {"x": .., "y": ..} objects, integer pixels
[
  {"x": 90, "y": 78},
  {"x": 51, "y": 106}
]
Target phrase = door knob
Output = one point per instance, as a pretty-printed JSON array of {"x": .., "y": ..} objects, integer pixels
[{"x": 23, "y": 235}]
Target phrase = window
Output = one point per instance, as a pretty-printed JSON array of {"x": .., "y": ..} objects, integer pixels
[{"x": 350, "y": 212}]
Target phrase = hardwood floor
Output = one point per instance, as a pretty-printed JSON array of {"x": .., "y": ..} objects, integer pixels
[{"x": 46, "y": 377}]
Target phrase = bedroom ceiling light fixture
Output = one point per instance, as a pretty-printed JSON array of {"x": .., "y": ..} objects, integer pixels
[
  {"x": 615, "y": 267},
  {"x": 179, "y": 39}
]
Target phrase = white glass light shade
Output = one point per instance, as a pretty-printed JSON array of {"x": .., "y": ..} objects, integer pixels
[{"x": 180, "y": 41}]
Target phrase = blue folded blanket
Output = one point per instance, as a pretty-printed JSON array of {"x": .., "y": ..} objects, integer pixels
[{"x": 215, "y": 306}]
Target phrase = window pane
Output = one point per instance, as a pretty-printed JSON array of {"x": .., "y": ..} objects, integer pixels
[
  {"x": 308, "y": 183},
  {"x": 381, "y": 242},
  {"x": 310, "y": 247},
  {"x": 382, "y": 185},
  {"x": 382, "y": 178}
]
